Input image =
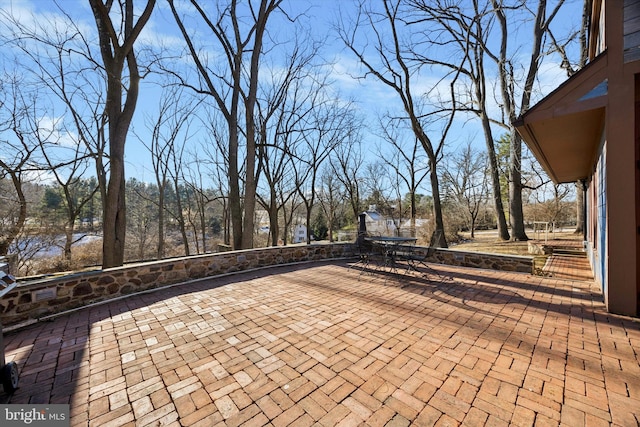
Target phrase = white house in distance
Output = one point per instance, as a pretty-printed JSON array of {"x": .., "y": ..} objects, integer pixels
[
  {"x": 406, "y": 225},
  {"x": 378, "y": 224},
  {"x": 299, "y": 234}
]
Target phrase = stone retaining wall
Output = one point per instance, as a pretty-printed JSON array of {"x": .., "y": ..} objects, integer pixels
[
  {"x": 33, "y": 299},
  {"x": 520, "y": 264}
]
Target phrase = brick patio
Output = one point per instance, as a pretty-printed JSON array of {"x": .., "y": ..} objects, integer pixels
[{"x": 321, "y": 344}]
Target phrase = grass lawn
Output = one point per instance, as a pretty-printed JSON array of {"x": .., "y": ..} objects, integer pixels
[{"x": 488, "y": 241}]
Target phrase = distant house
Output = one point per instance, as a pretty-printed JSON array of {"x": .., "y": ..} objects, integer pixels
[
  {"x": 379, "y": 224},
  {"x": 299, "y": 234},
  {"x": 420, "y": 223},
  {"x": 588, "y": 131}
]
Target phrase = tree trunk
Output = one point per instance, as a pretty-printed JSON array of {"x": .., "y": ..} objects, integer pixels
[
  {"x": 308, "y": 220},
  {"x": 203, "y": 223},
  {"x": 114, "y": 57},
  {"x": 68, "y": 240},
  {"x": 180, "y": 217},
  {"x": 160, "y": 248},
  {"x": 273, "y": 219},
  {"x": 438, "y": 238},
  {"x": 330, "y": 224},
  {"x": 250, "y": 102},
  {"x": 226, "y": 219},
  {"x": 115, "y": 222},
  {"x": 15, "y": 229},
  {"x": 501, "y": 219},
  {"x": 235, "y": 204},
  {"x": 473, "y": 227},
  {"x": 516, "y": 216},
  {"x": 250, "y": 187}
]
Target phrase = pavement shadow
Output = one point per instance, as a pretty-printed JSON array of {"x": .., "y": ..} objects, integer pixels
[{"x": 52, "y": 355}]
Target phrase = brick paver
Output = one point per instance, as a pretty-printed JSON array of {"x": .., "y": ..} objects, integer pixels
[{"x": 320, "y": 344}]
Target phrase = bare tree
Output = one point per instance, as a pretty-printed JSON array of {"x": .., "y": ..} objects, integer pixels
[
  {"x": 465, "y": 179},
  {"x": 382, "y": 187},
  {"x": 541, "y": 24},
  {"x": 58, "y": 60},
  {"x": 331, "y": 196},
  {"x": 200, "y": 197},
  {"x": 394, "y": 68},
  {"x": 474, "y": 28},
  {"x": 290, "y": 210},
  {"x": 229, "y": 89},
  {"x": 464, "y": 34},
  {"x": 117, "y": 48},
  {"x": 347, "y": 164},
  {"x": 549, "y": 204},
  {"x": 68, "y": 170},
  {"x": 175, "y": 113},
  {"x": 141, "y": 204},
  {"x": 276, "y": 165},
  {"x": 176, "y": 177},
  {"x": 17, "y": 147},
  {"x": 507, "y": 83},
  {"x": 281, "y": 110},
  {"x": 410, "y": 166},
  {"x": 328, "y": 125},
  {"x": 213, "y": 155}
]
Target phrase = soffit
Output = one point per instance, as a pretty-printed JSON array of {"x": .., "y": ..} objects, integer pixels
[{"x": 564, "y": 129}]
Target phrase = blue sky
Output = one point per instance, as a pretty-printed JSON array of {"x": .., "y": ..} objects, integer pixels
[{"x": 318, "y": 17}]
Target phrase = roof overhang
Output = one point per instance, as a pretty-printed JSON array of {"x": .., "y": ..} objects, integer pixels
[{"x": 564, "y": 130}]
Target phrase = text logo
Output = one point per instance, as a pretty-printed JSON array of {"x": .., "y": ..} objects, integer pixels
[{"x": 34, "y": 415}]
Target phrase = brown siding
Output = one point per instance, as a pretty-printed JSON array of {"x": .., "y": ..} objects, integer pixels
[
  {"x": 631, "y": 30},
  {"x": 637, "y": 183}
]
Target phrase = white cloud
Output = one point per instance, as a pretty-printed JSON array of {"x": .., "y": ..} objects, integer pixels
[
  {"x": 51, "y": 130},
  {"x": 46, "y": 17}
]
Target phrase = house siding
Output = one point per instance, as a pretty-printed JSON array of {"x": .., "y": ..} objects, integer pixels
[
  {"x": 613, "y": 228},
  {"x": 598, "y": 238},
  {"x": 631, "y": 30}
]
